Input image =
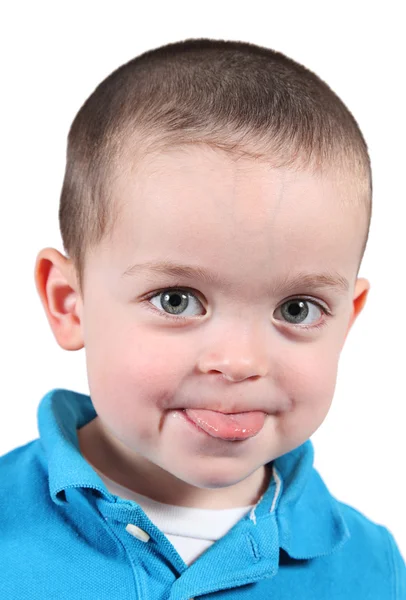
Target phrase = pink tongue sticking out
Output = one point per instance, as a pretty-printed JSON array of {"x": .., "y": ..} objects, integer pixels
[{"x": 237, "y": 426}]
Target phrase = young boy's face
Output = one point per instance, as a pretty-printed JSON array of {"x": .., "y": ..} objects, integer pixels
[{"x": 256, "y": 230}]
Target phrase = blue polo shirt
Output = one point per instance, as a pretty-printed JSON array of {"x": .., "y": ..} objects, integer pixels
[{"x": 64, "y": 535}]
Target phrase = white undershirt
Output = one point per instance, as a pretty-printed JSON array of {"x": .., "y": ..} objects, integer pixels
[{"x": 190, "y": 530}]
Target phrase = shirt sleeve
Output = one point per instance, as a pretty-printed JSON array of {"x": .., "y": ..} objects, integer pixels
[{"x": 398, "y": 569}]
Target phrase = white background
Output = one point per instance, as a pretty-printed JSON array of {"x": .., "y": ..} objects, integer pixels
[{"x": 52, "y": 57}]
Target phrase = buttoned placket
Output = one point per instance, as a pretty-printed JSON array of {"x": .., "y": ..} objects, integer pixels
[{"x": 139, "y": 534}]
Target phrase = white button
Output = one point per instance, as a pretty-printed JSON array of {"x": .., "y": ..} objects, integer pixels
[{"x": 138, "y": 533}]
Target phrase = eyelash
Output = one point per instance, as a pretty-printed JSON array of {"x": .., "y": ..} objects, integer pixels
[{"x": 193, "y": 292}]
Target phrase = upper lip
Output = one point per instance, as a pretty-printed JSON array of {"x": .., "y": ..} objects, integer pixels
[
  {"x": 225, "y": 412},
  {"x": 267, "y": 406}
]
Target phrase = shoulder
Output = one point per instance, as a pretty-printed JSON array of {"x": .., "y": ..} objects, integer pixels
[
  {"x": 362, "y": 528},
  {"x": 372, "y": 546},
  {"x": 23, "y": 474},
  {"x": 360, "y": 525},
  {"x": 21, "y": 456},
  {"x": 28, "y": 517}
]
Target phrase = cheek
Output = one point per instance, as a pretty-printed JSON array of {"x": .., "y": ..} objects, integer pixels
[
  {"x": 309, "y": 380},
  {"x": 312, "y": 379},
  {"x": 134, "y": 370}
]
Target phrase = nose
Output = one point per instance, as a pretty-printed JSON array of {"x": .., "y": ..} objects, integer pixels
[{"x": 238, "y": 354}]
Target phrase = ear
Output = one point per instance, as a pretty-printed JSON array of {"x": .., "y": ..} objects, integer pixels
[
  {"x": 361, "y": 290},
  {"x": 56, "y": 283}
]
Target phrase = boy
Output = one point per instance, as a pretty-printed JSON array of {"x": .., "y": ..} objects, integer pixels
[{"x": 214, "y": 212}]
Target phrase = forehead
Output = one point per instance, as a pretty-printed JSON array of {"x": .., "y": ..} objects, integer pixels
[{"x": 207, "y": 205}]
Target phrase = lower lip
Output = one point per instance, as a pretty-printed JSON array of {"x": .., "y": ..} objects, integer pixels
[{"x": 195, "y": 427}]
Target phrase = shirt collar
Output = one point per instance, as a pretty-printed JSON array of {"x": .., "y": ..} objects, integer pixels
[{"x": 310, "y": 521}]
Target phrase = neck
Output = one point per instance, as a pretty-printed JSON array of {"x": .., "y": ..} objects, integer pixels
[{"x": 135, "y": 472}]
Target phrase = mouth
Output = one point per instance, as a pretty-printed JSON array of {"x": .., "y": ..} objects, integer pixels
[{"x": 227, "y": 426}]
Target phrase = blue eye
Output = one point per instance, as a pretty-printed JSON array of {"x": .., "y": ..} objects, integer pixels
[
  {"x": 175, "y": 301},
  {"x": 296, "y": 310}
]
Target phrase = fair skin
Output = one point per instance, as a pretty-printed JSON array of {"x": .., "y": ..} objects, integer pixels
[{"x": 238, "y": 347}]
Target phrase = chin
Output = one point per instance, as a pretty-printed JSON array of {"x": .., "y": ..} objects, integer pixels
[{"x": 211, "y": 479}]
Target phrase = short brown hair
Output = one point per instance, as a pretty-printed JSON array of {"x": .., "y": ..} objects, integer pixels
[{"x": 236, "y": 96}]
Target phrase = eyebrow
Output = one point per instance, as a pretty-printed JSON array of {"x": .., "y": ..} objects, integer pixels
[{"x": 329, "y": 279}]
